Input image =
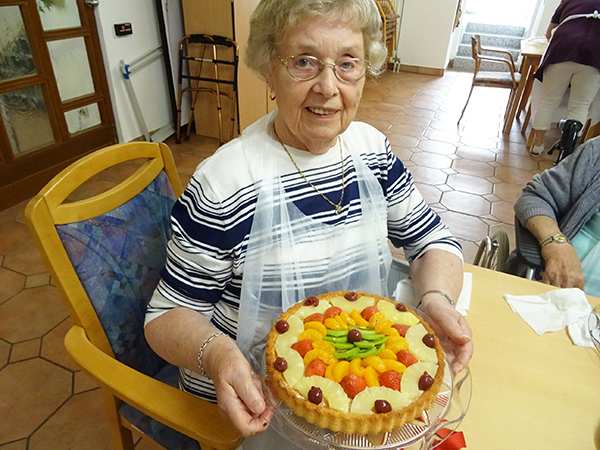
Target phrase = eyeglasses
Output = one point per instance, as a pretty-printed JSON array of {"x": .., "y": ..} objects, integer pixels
[{"x": 346, "y": 69}]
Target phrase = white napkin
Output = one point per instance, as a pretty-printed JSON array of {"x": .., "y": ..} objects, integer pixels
[
  {"x": 404, "y": 293},
  {"x": 555, "y": 310}
]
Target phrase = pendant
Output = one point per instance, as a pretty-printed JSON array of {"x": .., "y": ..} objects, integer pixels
[{"x": 338, "y": 209}]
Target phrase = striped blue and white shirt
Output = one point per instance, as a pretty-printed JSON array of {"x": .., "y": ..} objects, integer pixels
[{"x": 213, "y": 217}]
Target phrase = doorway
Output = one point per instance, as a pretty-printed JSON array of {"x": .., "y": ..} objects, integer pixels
[
  {"x": 54, "y": 98},
  {"x": 518, "y": 13}
]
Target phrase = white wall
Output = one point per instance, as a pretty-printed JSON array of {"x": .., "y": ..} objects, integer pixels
[
  {"x": 541, "y": 23},
  {"x": 426, "y": 33},
  {"x": 149, "y": 83},
  {"x": 427, "y": 38}
]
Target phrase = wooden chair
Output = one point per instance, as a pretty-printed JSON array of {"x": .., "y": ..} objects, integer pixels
[
  {"x": 105, "y": 253},
  {"x": 507, "y": 80}
]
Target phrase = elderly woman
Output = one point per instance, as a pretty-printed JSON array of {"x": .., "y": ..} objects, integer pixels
[
  {"x": 564, "y": 199},
  {"x": 302, "y": 203}
]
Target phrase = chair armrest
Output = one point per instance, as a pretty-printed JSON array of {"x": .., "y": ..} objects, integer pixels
[
  {"x": 514, "y": 75},
  {"x": 510, "y": 64},
  {"x": 528, "y": 248},
  {"x": 497, "y": 50},
  {"x": 190, "y": 415}
]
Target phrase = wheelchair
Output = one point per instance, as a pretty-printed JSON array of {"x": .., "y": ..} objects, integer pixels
[
  {"x": 569, "y": 139},
  {"x": 525, "y": 261},
  {"x": 493, "y": 252}
]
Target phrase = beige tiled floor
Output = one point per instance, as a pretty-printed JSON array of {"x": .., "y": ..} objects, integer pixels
[{"x": 471, "y": 175}]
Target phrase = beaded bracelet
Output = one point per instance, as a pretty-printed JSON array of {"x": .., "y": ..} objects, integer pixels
[
  {"x": 443, "y": 294},
  {"x": 202, "y": 347}
]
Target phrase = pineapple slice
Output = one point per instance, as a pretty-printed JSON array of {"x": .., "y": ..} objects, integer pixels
[
  {"x": 295, "y": 369},
  {"x": 364, "y": 401},
  {"x": 305, "y": 311},
  {"x": 332, "y": 392},
  {"x": 290, "y": 336},
  {"x": 359, "y": 304},
  {"x": 395, "y": 316},
  {"x": 409, "y": 385},
  {"x": 414, "y": 337}
]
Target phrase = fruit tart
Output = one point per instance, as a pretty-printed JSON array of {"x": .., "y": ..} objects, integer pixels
[{"x": 354, "y": 362}]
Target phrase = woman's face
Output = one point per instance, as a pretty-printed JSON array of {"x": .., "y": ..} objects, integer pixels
[{"x": 313, "y": 113}]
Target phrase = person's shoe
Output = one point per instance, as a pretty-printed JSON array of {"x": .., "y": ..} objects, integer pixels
[{"x": 536, "y": 150}]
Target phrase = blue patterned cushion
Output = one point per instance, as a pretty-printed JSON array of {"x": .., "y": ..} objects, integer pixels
[{"x": 118, "y": 257}]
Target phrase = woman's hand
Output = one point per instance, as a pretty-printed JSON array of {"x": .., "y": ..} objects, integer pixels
[
  {"x": 563, "y": 268},
  {"x": 452, "y": 330},
  {"x": 239, "y": 390},
  {"x": 439, "y": 271},
  {"x": 179, "y": 333}
]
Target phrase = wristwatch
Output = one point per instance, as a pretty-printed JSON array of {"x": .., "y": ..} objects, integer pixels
[{"x": 559, "y": 238}]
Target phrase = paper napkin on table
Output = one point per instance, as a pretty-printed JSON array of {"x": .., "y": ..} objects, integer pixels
[
  {"x": 404, "y": 293},
  {"x": 555, "y": 310}
]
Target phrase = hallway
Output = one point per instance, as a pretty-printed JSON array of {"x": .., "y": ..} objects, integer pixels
[{"x": 471, "y": 177}]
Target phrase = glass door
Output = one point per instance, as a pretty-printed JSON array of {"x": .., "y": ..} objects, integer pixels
[{"x": 54, "y": 102}]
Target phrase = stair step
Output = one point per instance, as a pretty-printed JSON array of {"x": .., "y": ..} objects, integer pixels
[
  {"x": 494, "y": 40},
  {"x": 503, "y": 30}
]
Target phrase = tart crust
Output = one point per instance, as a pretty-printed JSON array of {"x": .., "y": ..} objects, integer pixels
[{"x": 325, "y": 417}]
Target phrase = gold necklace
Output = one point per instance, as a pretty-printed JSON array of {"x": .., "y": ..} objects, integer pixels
[{"x": 338, "y": 207}]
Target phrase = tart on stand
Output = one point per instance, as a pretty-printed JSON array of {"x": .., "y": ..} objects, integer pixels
[{"x": 354, "y": 362}]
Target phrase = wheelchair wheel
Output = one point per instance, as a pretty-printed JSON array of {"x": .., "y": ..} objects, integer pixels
[{"x": 493, "y": 252}]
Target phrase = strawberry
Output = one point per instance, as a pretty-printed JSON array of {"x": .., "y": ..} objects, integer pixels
[
  {"x": 406, "y": 358},
  {"x": 332, "y": 312},
  {"x": 303, "y": 347},
  {"x": 352, "y": 385},
  {"x": 315, "y": 367},
  {"x": 316, "y": 317},
  {"x": 390, "y": 379},
  {"x": 402, "y": 329},
  {"x": 368, "y": 312}
]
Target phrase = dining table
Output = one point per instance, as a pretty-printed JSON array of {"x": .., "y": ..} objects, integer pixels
[
  {"x": 532, "y": 50},
  {"x": 528, "y": 391}
]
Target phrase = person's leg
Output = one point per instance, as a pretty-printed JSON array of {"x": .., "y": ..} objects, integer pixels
[
  {"x": 556, "y": 81},
  {"x": 585, "y": 84}
]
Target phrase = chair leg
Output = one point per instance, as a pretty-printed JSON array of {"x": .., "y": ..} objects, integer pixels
[
  {"x": 468, "y": 98},
  {"x": 122, "y": 436},
  {"x": 511, "y": 98}
]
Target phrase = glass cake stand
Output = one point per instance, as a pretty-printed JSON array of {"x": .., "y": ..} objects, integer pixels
[
  {"x": 594, "y": 326},
  {"x": 447, "y": 411}
]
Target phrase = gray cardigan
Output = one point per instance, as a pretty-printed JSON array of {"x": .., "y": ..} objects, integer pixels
[{"x": 569, "y": 192}]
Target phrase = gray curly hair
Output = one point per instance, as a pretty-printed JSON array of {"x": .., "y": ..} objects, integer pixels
[{"x": 273, "y": 18}]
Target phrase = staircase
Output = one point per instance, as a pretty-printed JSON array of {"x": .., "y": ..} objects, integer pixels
[{"x": 503, "y": 37}]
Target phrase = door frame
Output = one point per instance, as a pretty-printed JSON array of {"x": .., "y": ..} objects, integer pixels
[{"x": 22, "y": 176}]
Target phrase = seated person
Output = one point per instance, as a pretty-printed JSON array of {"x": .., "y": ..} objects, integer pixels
[
  {"x": 301, "y": 204},
  {"x": 561, "y": 208}
]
